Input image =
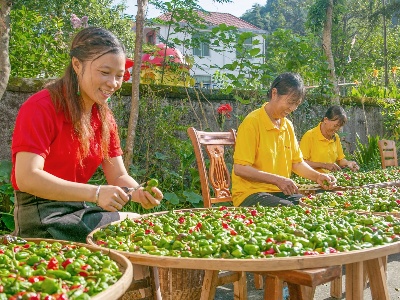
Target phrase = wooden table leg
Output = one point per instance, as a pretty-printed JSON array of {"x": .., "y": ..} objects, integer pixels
[
  {"x": 377, "y": 278},
  {"x": 355, "y": 281},
  {"x": 210, "y": 284},
  {"x": 157, "y": 289},
  {"x": 273, "y": 288},
  {"x": 258, "y": 281},
  {"x": 336, "y": 287},
  {"x": 240, "y": 287}
]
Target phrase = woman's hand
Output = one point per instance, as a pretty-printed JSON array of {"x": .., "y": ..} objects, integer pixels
[
  {"x": 286, "y": 185},
  {"x": 146, "y": 199},
  {"x": 111, "y": 198},
  {"x": 352, "y": 165},
  {"x": 326, "y": 181},
  {"x": 331, "y": 167}
]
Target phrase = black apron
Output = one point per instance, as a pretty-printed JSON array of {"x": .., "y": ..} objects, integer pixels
[{"x": 72, "y": 221}]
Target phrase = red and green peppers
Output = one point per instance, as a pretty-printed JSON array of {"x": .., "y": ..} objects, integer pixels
[
  {"x": 260, "y": 232},
  {"x": 53, "y": 271}
]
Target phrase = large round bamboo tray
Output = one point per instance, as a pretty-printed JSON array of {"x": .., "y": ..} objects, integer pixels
[
  {"x": 369, "y": 186},
  {"x": 116, "y": 290},
  {"x": 174, "y": 283},
  {"x": 371, "y": 259},
  {"x": 262, "y": 264},
  {"x": 180, "y": 284},
  {"x": 363, "y": 212},
  {"x": 375, "y": 185},
  {"x": 306, "y": 189}
]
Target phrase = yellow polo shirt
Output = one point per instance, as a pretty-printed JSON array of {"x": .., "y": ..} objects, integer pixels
[
  {"x": 260, "y": 145},
  {"x": 315, "y": 147}
]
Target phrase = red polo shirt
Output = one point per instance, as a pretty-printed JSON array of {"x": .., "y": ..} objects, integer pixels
[{"x": 40, "y": 129}]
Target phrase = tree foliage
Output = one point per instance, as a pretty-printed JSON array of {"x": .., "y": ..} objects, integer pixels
[
  {"x": 357, "y": 32},
  {"x": 279, "y": 14},
  {"x": 5, "y": 7},
  {"x": 41, "y": 32}
]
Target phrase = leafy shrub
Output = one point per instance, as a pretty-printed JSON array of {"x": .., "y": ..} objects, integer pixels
[
  {"x": 6, "y": 198},
  {"x": 367, "y": 155}
]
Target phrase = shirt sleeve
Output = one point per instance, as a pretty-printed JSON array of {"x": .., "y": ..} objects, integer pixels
[
  {"x": 305, "y": 145},
  {"x": 246, "y": 143},
  {"x": 340, "y": 152},
  {"x": 35, "y": 128}
]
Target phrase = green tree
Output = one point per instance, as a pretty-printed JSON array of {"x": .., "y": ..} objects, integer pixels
[
  {"x": 41, "y": 32},
  {"x": 44, "y": 53},
  {"x": 255, "y": 16},
  {"x": 359, "y": 39},
  {"x": 288, "y": 51},
  {"x": 134, "y": 114},
  {"x": 321, "y": 20},
  {"x": 279, "y": 14},
  {"x": 5, "y": 7}
]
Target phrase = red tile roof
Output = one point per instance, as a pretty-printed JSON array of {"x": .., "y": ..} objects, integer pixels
[{"x": 216, "y": 18}]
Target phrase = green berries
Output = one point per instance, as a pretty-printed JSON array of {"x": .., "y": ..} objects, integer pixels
[{"x": 150, "y": 184}]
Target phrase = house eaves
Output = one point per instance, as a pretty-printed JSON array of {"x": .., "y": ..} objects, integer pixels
[{"x": 213, "y": 19}]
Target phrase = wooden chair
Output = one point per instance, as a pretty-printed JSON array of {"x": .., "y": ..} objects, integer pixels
[
  {"x": 217, "y": 176},
  {"x": 219, "y": 179},
  {"x": 387, "y": 150}
]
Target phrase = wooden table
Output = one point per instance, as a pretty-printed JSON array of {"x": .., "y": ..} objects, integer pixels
[
  {"x": 359, "y": 264},
  {"x": 372, "y": 259}
]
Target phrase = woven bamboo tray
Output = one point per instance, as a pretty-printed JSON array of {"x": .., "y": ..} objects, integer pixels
[
  {"x": 362, "y": 212},
  {"x": 180, "y": 284},
  {"x": 368, "y": 186},
  {"x": 117, "y": 289},
  {"x": 262, "y": 264},
  {"x": 174, "y": 283},
  {"x": 142, "y": 284}
]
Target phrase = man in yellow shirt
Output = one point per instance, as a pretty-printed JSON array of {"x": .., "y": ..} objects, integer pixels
[
  {"x": 321, "y": 146},
  {"x": 267, "y": 151}
]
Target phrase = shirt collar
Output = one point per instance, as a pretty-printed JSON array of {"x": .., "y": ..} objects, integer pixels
[
  {"x": 267, "y": 121},
  {"x": 321, "y": 136}
]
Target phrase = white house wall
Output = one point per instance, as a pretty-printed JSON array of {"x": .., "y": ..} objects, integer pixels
[{"x": 202, "y": 65}]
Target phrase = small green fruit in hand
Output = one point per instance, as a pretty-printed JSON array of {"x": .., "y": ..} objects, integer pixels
[
  {"x": 151, "y": 183},
  {"x": 326, "y": 183}
]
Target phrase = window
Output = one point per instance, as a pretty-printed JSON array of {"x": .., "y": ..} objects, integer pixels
[
  {"x": 151, "y": 37},
  {"x": 202, "y": 48},
  {"x": 203, "y": 81}
]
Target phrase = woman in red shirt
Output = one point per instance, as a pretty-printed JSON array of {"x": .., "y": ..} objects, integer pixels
[{"x": 62, "y": 135}]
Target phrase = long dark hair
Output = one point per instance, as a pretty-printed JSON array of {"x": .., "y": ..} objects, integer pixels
[
  {"x": 88, "y": 45},
  {"x": 289, "y": 83},
  {"x": 334, "y": 113}
]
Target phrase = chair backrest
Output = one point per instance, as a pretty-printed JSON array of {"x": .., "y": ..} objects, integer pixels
[
  {"x": 388, "y": 152},
  {"x": 217, "y": 176}
]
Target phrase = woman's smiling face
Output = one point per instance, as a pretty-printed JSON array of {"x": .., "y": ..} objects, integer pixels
[
  {"x": 100, "y": 78},
  {"x": 332, "y": 126},
  {"x": 284, "y": 104}
]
